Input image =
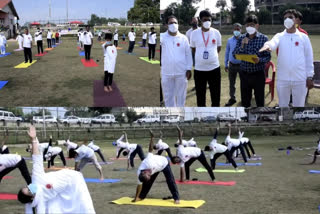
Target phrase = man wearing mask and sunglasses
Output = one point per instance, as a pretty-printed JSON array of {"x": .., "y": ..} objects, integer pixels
[
  {"x": 176, "y": 65},
  {"x": 295, "y": 62}
]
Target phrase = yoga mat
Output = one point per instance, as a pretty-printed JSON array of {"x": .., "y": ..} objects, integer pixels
[
  {"x": 144, "y": 47},
  {"x": 147, "y": 60},
  {"x": 240, "y": 164},
  {"x": 123, "y": 43},
  {"x": 121, "y": 169},
  {"x": 160, "y": 203},
  {"x": 18, "y": 49},
  {"x": 4, "y": 55},
  {"x": 251, "y": 159},
  {"x": 8, "y": 196},
  {"x": 222, "y": 170},
  {"x": 89, "y": 63},
  {"x": 104, "y": 99},
  {"x": 27, "y": 158},
  {"x": 54, "y": 46},
  {"x": 211, "y": 183},
  {"x": 119, "y": 48},
  {"x": 59, "y": 168},
  {"x": 96, "y": 180},
  {"x": 25, "y": 65},
  {"x": 78, "y": 48},
  {"x": 48, "y": 49},
  {"x": 42, "y": 54},
  {"x": 122, "y": 158},
  {"x": 7, "y": 177},
  {"x": 3, "y": 83},
  {"x": 103, "y": 163},
  {"x": 134, "y": 54},
  {"x": 139, "y": 42},
  {"x": 81, "y": 53},
  {"x": 314, "y": 171}
]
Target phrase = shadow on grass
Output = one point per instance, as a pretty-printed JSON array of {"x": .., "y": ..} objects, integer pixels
[{"x": 55, "y": 101}]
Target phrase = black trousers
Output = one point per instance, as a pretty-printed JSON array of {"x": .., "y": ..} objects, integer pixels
[
  {"x": 40, "y": 46},
  {"x": 51, "y": 161},
  {"x": 5, "y": 151},
  {"x": 134, "y": 153},
  {"x": 233, "y": 149},
  {"x": 53, "y": 40},
  {"x": 57, "y": 39},
  {"x": 123, "y": 39},
  {"x": 168, "y": 152},
  {"x": 131, "y": 46},
  {"x": 72, "y": 152},
  {"x": 22, "y": 166},
  {"x": 247, "y": 150},
  {"x": 27, "y": 55},
  {"x": 87, "y": 51},
  {"x": 101, "y": 155},
  {"x": 227, "y": 154},
  {"x": 115, "y": 42},
  {"x": 152, "y": 50},
  {"x": 203, "y": 161},
  {"x": 49, "y": 43},
  {"x": 108, "y": 77},
  {"x": 252, "y": 81},
  {"x": 315, "y": 156},
  {"x": 213, "y": 78},
  {"x": 146, "y": 186},
  {"x": 144, "y": 41}
]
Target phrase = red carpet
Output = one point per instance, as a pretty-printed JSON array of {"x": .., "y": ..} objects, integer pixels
[
  {"x": 215, "y": 183},
  {"x": 44, "y": 53},
  {"x": 8, "y": 196},
  {"x": 90, "y": 63},
  {"x": 104, "y": 99}
]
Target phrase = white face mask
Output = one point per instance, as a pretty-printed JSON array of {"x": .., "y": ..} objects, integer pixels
[
  {"x": 206, "y": 24},
  {"x": 288, "y": 23},
  {"x": 173, "y": 28},
  {"x": 251, "y": 30}
]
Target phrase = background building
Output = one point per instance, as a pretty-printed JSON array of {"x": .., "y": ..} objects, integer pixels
[{"x": 8, "y": 18}]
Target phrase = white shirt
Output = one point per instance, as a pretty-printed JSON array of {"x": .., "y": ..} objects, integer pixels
[
  {"x": 86, "y": 38},
  {"x": 9, "y": 160},
  {"x": 19, "y": 38},
  {"x": 216, "y": 148},
  {"x": 131, "y": 147},
  {"x": 132, "y": 36},
  {"x": 186, "y": 153},
  {"x": 152, "y": 38},
  {"x": 49, "y": 35},
  {"x": 214, "y": 41},
  {"x": 155, "y": 163},
  {"x": 116, "y": 36},
  {"x": 83, "y": 152},
  {"x": 176, "y": 56},
  {"x": 232, "y": 142},
  {"x": 63, "y": 191},
  {"x": 189, "y": 32},
  {"x": 43, "y": 146},
  {"x": 71, "y": 145},
  {"x": 188, "y": 143},
  {"x": 110, "y": 57},
  {"x": 144, "y": 35},
  {"x": 38, "y": 36},
  {"x": 99, "y": 34},
  {"x": 54, "y": 150},
  {"x": 92, "y": 146},
  {"x": 295, "y": 57},
  {"x": 161, "y": 145},
  {"x": 27, "y": 40},
  {"x": 1, "y": 41},
  {"x": 319, "y": 146}
]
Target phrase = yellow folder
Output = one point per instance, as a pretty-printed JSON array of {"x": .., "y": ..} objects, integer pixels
[{"x": 246, "y": 57}]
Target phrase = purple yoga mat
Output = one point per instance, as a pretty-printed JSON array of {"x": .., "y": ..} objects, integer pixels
[{"x": 104, "y": 99}]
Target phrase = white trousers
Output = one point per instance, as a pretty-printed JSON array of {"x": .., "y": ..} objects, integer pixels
[
  {"x": 20, "y": 45},
  {"x": 298, "y": 89},
  {"x": 174, "y": 90}
]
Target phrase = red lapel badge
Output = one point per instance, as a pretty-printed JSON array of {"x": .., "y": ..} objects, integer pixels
[
  {"x": 49, "y": 186},
  {"x": 213, "y": 41},
  {"x": 297, "y": 43},
  {"x": 178, "y": 44}
]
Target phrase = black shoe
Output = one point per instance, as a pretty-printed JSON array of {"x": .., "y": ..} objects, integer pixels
[
  {"x": 230, "y": 103},
  {"x": 193, "y": 89}
]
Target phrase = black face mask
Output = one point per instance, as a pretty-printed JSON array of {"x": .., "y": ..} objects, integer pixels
[{"x": 194, "y": 25}]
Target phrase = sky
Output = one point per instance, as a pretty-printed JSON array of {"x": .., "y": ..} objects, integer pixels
[
  {"x": 211, "y": 4},
  {"x": 34, "y": 10}
]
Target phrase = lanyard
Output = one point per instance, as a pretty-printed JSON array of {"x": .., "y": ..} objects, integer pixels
[{"x": 205, "y": 42}]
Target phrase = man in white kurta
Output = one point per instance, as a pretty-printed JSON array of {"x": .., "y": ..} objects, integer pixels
[
  {"x": 63, "y": 191},
  {"x": 176, "y": 65},
  {"x": 20, "y": 41},
  {"x": 110, "y": 57},
  {"x": 295, "y": 63},
  {"x": 3, "y": 43},
  {"x": 96, "y": 149}
]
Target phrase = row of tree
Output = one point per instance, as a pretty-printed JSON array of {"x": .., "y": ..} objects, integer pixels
[{"x": 96, "y": 20}]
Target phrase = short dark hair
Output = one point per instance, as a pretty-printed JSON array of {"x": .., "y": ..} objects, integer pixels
[
  {"x": 125, "y": 153},
  {"x": 207, "y": 148},
  {"x": 252, "y": 18},
  {"x": 142, "y": 178},
  {"x": 292, "y": 11},
  {"x": 108, "y": 36},
  {"x": 176, "y": 145},
  {"x": 299, "y": 15},
  {"x": 152, "y": 28},
  {"x": 205, "y": 13},
  {"x": 23, "y": 198},
  {"x": 72, "y": 153},
  {"x": 171, "y": 17},
  {"x": 237, "y": 25},
  {"x": 38, "y": 28},
  {"x": 132, "y": 28}
]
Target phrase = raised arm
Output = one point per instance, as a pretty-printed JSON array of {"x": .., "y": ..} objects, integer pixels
[
  {"x": 180, "y": 133},
  {"x": 229, "y": 125},
  {"x": 35, "y": 143},
  {"x": 125, "y": 136},
  {"x": 161, "y": 135},
  {"x": 216, "y": 133},
  {"x": 5, "y": 138},
  {"x": 151, "y": 141}
]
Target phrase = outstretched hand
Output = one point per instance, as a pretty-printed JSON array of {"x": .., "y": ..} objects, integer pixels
[
  {"x": 32, "y": 132},
  {"x": 151, "y": 133},
  {"x": 7, "y": 132}
]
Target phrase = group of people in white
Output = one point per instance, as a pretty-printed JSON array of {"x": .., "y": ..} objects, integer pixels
[{"x": 199, "y": 50}]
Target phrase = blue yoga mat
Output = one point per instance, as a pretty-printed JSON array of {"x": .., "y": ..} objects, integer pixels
[
  {"x": 239, "y": 164},
  {"x": 3, "y": 83},
  {"x": 81, "y": 53},
  {"x": 314, "y": 171},
  {"x": 6, "y": 54},
  {"x": 96, "y": 180},
  {"x": 54, "y": 46},
  {"x": 126, "y": 52}
]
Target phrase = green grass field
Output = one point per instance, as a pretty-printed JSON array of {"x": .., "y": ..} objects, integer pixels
[
  {"x": 60, "y": 78},
  {"x": 313, "y": 100},
  {"x": 280, "y": 185}
]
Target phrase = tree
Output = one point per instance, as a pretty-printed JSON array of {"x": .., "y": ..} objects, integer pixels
[
  {"x": 239, "y": 9},
  {"x": 264, "y": 16},
  {"x": 15, "y": 110},
  {"x": 132, "y": 115},
  {"x": 221, "y": 4},
  {"x": 77, "y": 111},
  {"x": 100, "y": 110},
  {"x": 144, "y": 11}
]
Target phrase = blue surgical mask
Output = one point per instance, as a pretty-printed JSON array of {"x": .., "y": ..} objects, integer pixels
[
  {"x": 236, "y": 33},
  {"x": 33, "y": 188},
  {"x": 108, "y": 42}
]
